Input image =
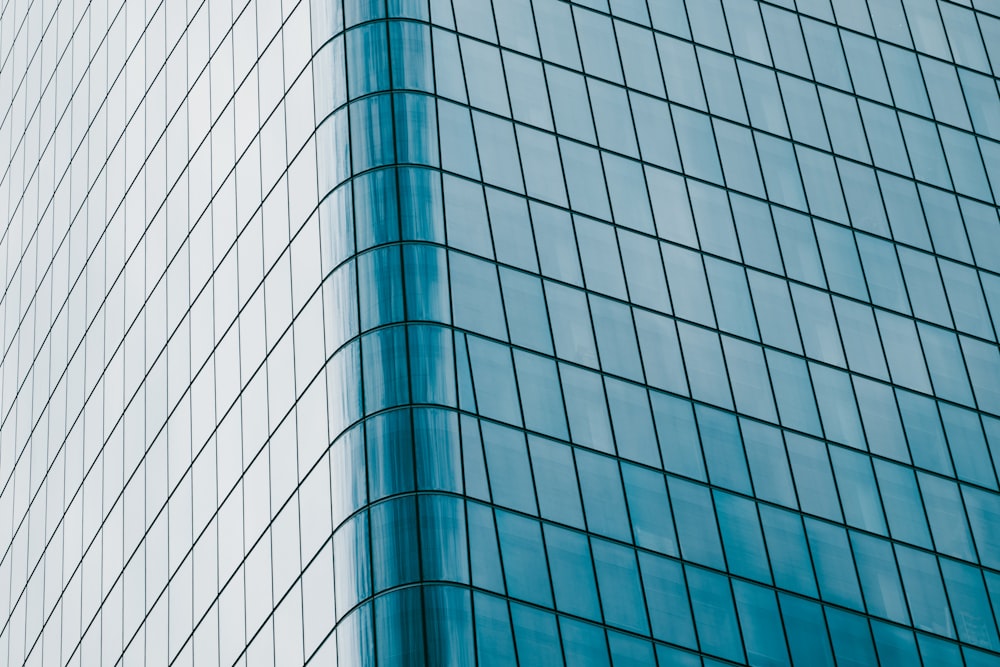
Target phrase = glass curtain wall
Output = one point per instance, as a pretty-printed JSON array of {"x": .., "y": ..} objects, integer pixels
[
  {"x": 675, "y": 326},
  {"x": 504, "y": 332},
  {"x": 162, "y": 406}
]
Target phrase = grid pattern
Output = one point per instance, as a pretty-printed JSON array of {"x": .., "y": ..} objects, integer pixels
[
  {"x": 162, "y": 330},
  {"x": 676, "y": 331},
  {"x": 650, "y": 332}
]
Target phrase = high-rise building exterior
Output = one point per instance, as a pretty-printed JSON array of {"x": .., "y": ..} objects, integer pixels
[{"x": 607, "y": 333}]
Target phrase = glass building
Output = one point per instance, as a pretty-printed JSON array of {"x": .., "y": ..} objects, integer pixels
[{"x": 604, "y": 333}]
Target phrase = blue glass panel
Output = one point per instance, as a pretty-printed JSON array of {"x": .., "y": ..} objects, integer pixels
[
  {"x": 540, "y": 162},
  {"x": 657, "y": 143},
  {"x": 494, "y": 640},
  {"x": 714, "y": 220},
  {"x": 761, "y": 624},
  {"x": 722, "y": 86},
  {"x": 585, "y": 179},
  {"x": 885, "y": 137},
  {"x": 399, "y": 644},
  {"x": 555, "y": 32},
  {"x": 858, "y": 492},
  {"x": 484, "y": 554},
  {"x": 411, "y": 62},
  {"x": 946, "y": 516},
  {"x": 356, "y": 645},
  {"x": 632, "y": 422},
  {"x": 572, "y": 573},
  {"x": 750, "y": 40},
  {"x": 667, "y": 600},
  {"x": 773, "y": 306},
  {"x": 390, "y": 454},
  {"x": 763, "y": 100},
  {"x": 572, "y": 343},
  {"x": 621, "y": 590},
  {"x": 438, "y": 453},
  {"x": 984, "y": 511},
  {"x": 768, "y": 462},
  {"x": 492, "y": 368},
  {"x": 852, "y": 639},
  {"x": 497, "y": 152},
  {"x": 695, "y": 520},
  {"x": 806, "y": 631},
  {"x": 458, "y": 146},
  {"x": 671, "y": 208},
  {"x": 731, "y": 298},
  {"x": 515, "y": 27},
  {"x": 838, "y": 581},
  {"x": 512, "y": 230},
  {"x": 679, "y": 443},
  {"x": 705, "y": 365},
  {"x": 603, "y": 499},
  {"x": 944, "y": 360},
  {"x": 368, "y": 64},
  {"x": 483, "y": 68},
  {"x": 352, "y": 576},
  {"x": 714, "y": 614},
  {"x": 583, "y": 644},
  {"x": 684, "y": 268},
  {"x": 649, "y": 509},
  {"x": 840, "y": 259},
  {"x": 798, "y": 247},
  {"x": 442, "y": 539},
  {"x": 526, "y": 82},
  {"x": 697, "y": 145},
  {"x": 970, "y": 604},
  {"x": 968, "y": 445},
  {"x": 924, "y": 591},
  {"x": 629, "y": 651},
  {"x": 866, "y": 67},
  {"x": 894, "y": 645},
  {"x": 523, "y": 557},
  {"x": 680, "y": 71},
  {"x": 785, "y": 38},
  {"x": 395, "y": 555},
  {"x": 844, "y": 122},
  {"x": 627, "y": 187},
  {"x": 817, "y": 325},
  {"x": 793, "y": 392},
  {"x": 879, "y": 578},
  {"x": 416, "y": 131},
  {"x": 749, "y": 378},
  {"x": 509, "y": 470},
  {"x": 643, "y": 272},
  {"x": 612, "y": 117},
  {"x": 781, "y": 174},
  {"x": 586, "y": 408},
  {"x": 837, "y": 405},
  {"x": 741, "y": 537},
  {"x": 804, "y": 114},
  {"x": 558, "y": 493},
  {"x": 541, "y": 400},
  {"x": 448, "y": 619},
  {"x": 616, "y": 343},
  {"x": 936, "y": 651},
  {"x": 825, "y": 51},
  {"x": 385, "y": 376},
  {"x": 813, "y": 477},
  {"x": 597, "y": 40},
  {"x": 720, "y": 438}
]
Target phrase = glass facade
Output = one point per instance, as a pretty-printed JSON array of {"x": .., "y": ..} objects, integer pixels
[
  {"x": 162, "y": 397},
  {"x": 607, "y": 333}
]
